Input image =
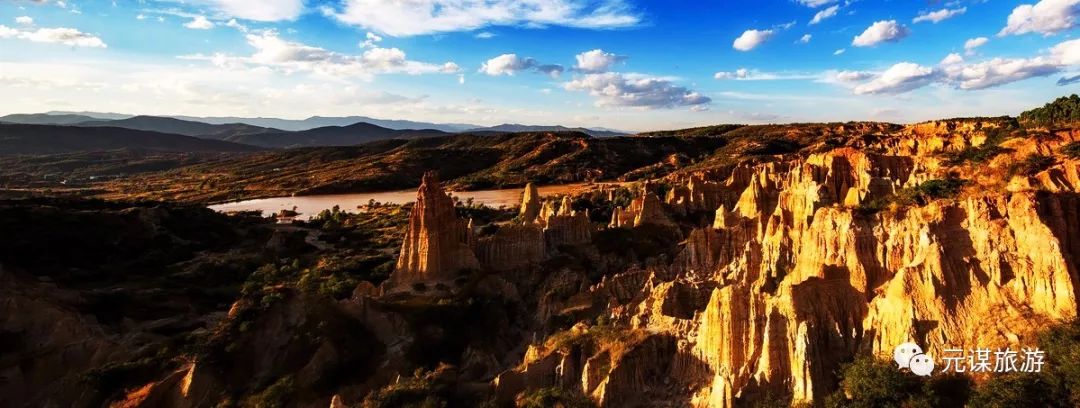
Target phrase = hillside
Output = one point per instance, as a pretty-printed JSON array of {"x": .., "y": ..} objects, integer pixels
[
  {"x": 18, "y": 139},
  {"x": 180, "y": 127},
  {"x": 469, "y": 161},
  {"x": 1061, "y": 112},
  {"x": 516, "y": 128},
  {"x": 350, "y": 135},
  {"x": 45, "y": 119}
]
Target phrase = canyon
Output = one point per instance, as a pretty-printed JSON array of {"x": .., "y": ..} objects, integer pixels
[{"x": 755, "y": 272}]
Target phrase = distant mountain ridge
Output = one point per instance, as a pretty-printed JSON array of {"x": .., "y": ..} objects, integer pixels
[
  {"x": 23, "y": 139},
  {"x": 294, "y": 125},
  {"x": 516, "y": 128},
  {"x": 351, "y": 135}
]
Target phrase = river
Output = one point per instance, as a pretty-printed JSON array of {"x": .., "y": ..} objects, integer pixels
[{"x": 309, "y": 206}]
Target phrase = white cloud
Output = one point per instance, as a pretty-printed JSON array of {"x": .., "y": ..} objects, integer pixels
[
  {"x": 260, "y": 10},
  {"x": 825, "y": 14},
  {"x": 199, "y": 23},
  {"x": 750, "y": 39},
  {"x": 805, "y": 38},
  {"x": 999, "y": 71},
  {"x": 24, "y": 20},
  {"x": 847, "y": 79},
  {"x": 1067, "y": 53},
  {"x": 972, "y": 44},
  {"x": 743, "y": 74},
  {"x": 1045, "y": 17},
  {"x": 370, "y": 40},
  {"x": 485, "y": 35},
  {"x": 415, "y": 17},
  {"x": 815, "y": 3},
  {"x": 939, "y": 15},
  {"x": 66, "y": 36},
  {"x": 271, "y": 51},
  {"x": 879, "y": 32},
  {"x": 613, "y": 89},
  {"x": 510, "y": 64},
  {"x": 899, "y": 78},
  {"x": 596, "y": 61},
  {"x": 232, "y": 23},
  {"x": 839, "y": 51}
]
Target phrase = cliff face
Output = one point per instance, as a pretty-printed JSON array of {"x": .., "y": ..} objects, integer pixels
[
  {"x": 436, "y": 246},
  {"x": 802, "y": 268}
]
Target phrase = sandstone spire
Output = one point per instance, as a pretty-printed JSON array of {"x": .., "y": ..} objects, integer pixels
[
  {"x": 530, "y": 204},
  {"x": 436, "y": 246},
  {"x": 652, "y": 212}
]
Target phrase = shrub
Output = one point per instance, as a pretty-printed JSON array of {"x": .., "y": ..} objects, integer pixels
[
  {"x": 1032, "y": 165},
  {"x": 931, "y": 190},
  {"x": 554, "y": 397},
  {"x": 1072, "y": 150},
  {"x": 877, "y": 383}
]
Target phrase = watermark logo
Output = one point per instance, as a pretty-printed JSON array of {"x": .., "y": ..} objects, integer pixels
[
  {"x": 981, "y": 360},
  {"x": 910, "y": 356},
  {"x": 984, "y": 360}
]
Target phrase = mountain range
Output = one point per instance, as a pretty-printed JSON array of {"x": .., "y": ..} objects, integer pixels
[
  {"x": 257, "y": 132},
  {"x": 294, "y": 125}
]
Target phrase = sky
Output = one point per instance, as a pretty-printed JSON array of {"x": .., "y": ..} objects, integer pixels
[{"x": 624, "y": 64}]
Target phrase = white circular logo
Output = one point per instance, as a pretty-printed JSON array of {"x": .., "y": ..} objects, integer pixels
[
  {"x": 903, "y": 353},
  {"x": 922, "y": 365}
]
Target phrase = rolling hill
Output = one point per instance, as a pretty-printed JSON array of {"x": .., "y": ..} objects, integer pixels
[
  {"x": 20, "y": 139},
  {"x": 516, "y": 128},
  {"x": 180, "y": 127},
  {"x": 465, "y": 161},
  {"x": 45, "y": 119},
  {"x": 350, "y": 135}
]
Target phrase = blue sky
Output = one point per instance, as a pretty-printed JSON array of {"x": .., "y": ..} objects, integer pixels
[{"x": 625, "y": 64}]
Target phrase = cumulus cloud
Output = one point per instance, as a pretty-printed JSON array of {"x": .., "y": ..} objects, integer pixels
[
  {"x": 62, "y": 35},
  {"x": 1045, "y": 17},
  {"x": 613, "y": 89},
  {"x": 972, "y": 44},
  {"x": 260, "y": 10},
  {"x": 825, "y": 14},
  {"x": 271, "y": 51},
  {"x": 998, "y": 71},
  {"x": 939, "y": 15},
  {"x": 415, "y": 17},
  {"x": 839, "y": 51},
  {"x": 596, "y": 61},
  {"x": 805, "y": 38},
  {"x": 510, "y": 64},
  {"x": 750, "y": 39},
  {"x": 1066, "y": 53},
  {"x": 879, "y": 32},
  {"x": 199, "y": 23},
  {"x": 955, "y": 71},
  {"x": 899, "y": 78},
  {"x": 848, "y": 79},
  {"x": 24, "y": 20}
]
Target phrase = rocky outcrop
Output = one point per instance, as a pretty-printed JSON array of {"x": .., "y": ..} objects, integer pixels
[
  {"x": 436, "y": 245},
  {"x": 564, "y": 226},
  {"x": 795, "y": 275},
  {"x": 530, "y": 204},
  {"x": 512, "y": 247},
  {"x": 646, "y": 208}
]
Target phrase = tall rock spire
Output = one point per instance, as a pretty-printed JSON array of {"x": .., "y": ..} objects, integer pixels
[
  {"x": 530, "y": 204},
  {"x": 436, "y": 246}
]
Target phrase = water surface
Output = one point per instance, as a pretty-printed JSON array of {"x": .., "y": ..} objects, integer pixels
[{"x": 309, "y": 206}]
